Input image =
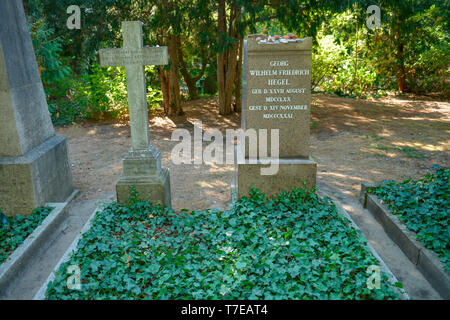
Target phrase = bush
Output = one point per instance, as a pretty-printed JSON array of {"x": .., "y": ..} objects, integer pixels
[
  {"x": 340, "y": 60},
  {"x": 429, "y": 53},
  {"x": 97, "y": 93},
  {"x": 103, "y": 92},
  {"x": 295, "y": 246},
  {"x": 56, "y": 75},
  {"x": 357, "y": 61}
]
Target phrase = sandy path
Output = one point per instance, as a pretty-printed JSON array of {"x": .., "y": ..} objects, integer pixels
[{"x": 352, "y": 140}]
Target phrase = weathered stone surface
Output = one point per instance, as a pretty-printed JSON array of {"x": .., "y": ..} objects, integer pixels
[
  {"x": 145, "y": 56},
  {"x": 25, "y": 122},
  {"x": 142, "y": 166},
  {"x": 278, "y": 93},
  {"x": 434, "y": 270},
  {"x": 40, "y": 176},
  {"x": 34, "y": 166},
  {"x": 291, "y": 173},
  {"x": 152, "y": 188},
  {"x": 142, "y": 163}
]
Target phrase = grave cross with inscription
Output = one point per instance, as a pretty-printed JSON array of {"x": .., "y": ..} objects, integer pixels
[
  {"x": 134, "y": 56},
  {"x": 142, "y": 166},
  {"x": 276, "y": 95}
]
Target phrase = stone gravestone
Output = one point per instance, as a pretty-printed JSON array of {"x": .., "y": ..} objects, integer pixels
[
  {"x": 142, "y": 165},
  {"x": 34, "y": 165},
  {"x": 277, "y": 95}
]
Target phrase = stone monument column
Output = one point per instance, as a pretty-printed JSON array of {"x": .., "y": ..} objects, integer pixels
[
  {"x": 34, "y": 165},
  {"x": 277, "y": 96}
]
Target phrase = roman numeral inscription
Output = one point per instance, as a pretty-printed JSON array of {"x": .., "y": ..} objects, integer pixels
[
  {"x": 276, "y": 96},
  {"x": 274, "y": 79},
  {"x": 142, "y": 165}
]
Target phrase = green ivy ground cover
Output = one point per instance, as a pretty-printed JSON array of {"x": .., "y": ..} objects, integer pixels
[
  {"x": 424, "y": 207},
  {"x": 13, "y": 231},
  {"x": 295, "y": 246}
]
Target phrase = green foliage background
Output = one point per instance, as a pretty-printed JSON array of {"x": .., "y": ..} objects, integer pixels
[{"x": 348, "y": 58}]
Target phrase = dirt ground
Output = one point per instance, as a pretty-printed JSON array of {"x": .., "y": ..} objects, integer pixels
[{"x": 352, "y": 140}]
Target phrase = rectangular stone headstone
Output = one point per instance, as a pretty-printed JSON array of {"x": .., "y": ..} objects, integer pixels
[
  {"x": 276, "y": 95},
  {"x": 279, "y": 93},
  {"x": 34, "y": 166}
]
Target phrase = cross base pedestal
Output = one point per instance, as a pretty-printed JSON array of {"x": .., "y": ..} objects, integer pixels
[{"x": 142, "y": 170}]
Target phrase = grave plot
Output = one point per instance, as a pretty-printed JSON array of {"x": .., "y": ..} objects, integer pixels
[
  {"x": 423, "y": 206},
  {"x": 289, "y": 245},
  {"x": 294, "y": 246}
]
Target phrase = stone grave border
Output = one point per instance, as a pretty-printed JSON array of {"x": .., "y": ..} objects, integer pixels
[
  {"x": 40, "y": 295},
  {"x": 427, "y": 261},
  {"x": 383, "y": 266},
  {"x": 37, "y": 242}
]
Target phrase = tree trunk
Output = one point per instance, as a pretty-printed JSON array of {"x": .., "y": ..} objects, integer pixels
[
  {"x": 164, "y": 78},
  {"x": 191, "y": 82},
  {"x": 238, "y": 100},
  {"x": 400, "y": 59},
  {"x": 401, "y": 76},
  {"x": 174, "y": 87},
  {"x": 227, "y": 56},
  {"x": 222, "y": 22}
]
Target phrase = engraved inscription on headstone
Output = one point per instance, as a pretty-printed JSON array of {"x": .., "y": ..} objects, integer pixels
[{"x": 279, "y": 93}]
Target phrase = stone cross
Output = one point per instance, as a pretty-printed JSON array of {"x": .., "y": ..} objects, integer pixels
[
  {"x": 134, "y": 56},
  {"x": 142, "y": 165}
]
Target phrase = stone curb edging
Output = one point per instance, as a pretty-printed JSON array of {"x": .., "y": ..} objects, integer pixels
[
  {"x": 40, "y": 295},
  {"x": 383, "y": 266},
  {"x": 36, "y": 242},
  {"x": 427, "y": 261}
]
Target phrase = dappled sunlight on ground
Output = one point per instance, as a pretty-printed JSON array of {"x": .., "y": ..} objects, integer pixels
[{"x": 352, "y": 140}]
